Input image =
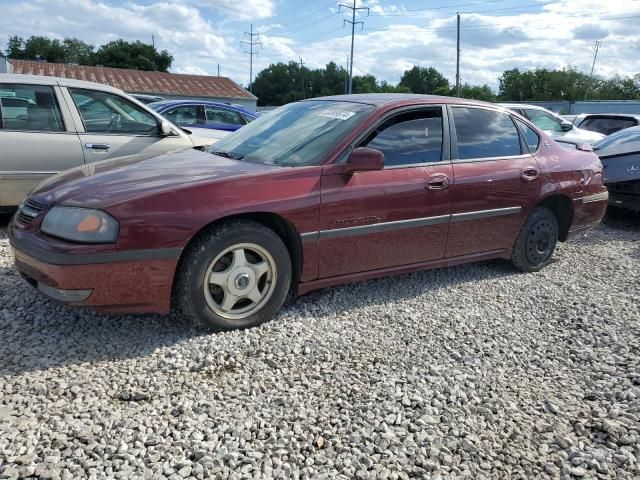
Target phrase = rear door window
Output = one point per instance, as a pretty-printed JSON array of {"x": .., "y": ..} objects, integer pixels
[
  {"x": 29, "y": 108},
  {"x": 530, "y": 136},
  {"x": 484, "y": 133},
  {"x": 184, "y": 115},
  {"x": 219, "y": 116}
]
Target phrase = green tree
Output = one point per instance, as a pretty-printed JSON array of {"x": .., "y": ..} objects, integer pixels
[
  {"x": 423, "y": 80},
  {"x": 77, "y": 51},
  {"x": 477, "y": 92},
  {"x": 136, "y": 55},
  {"x": 15, "y": 47}
]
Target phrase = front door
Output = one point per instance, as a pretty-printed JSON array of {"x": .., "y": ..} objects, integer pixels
[
  {"x": 496, "y": 178},
  {"x": 396, "y": 216},
  {"x": 37, "y": 139},
  {"x": 115, "y": 127}
]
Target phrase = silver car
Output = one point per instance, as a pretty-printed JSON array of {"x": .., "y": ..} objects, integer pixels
[
  {"x": 556, "y": 126},
  {"x": 50, "y": 124}
]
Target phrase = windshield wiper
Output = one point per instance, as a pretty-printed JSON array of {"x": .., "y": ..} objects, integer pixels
[{"x": 232, "y": 156}]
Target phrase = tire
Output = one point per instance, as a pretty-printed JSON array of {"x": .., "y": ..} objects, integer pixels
[
  {"x": 536, "y": 242},
  {"x": 242, "y": 290}
]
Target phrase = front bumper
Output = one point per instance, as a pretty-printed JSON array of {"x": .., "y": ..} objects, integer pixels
[{"x": 133, "y": 285}]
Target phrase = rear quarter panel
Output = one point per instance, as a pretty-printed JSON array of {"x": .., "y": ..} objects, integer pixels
[{"x": 574, "y": 174}]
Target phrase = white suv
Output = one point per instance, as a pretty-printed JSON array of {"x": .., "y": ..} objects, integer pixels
[
  {"x": 50, "y": 124},
  {"x": 554, "y": 125}
]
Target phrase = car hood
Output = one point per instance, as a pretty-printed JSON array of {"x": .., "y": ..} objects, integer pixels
[
  {"x": 203, "y": 137},
  {"x": 579, "y": 135},
  {"x": 109, "y": 182}
]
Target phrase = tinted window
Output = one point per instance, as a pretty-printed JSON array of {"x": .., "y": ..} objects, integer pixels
[
  {"x": 222, "y": 115},
  {"x": 607, "y": 126},
  {"x": 485, "y": 133},
  {"x": 543, "y": 120},
  {"x": 409, "y": 138},
  {"x": 103, "y": 112},
  {"x": 185, "y": 115},
  {"x": 530, "y": 136},
  {"x": 29, "y": 107}
]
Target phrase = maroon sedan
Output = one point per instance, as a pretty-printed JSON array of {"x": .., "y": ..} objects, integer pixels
[{"x": 317, "y": 193}]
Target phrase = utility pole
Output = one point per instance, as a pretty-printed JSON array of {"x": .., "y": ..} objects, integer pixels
[
  {"x": 597, "y": 44},
  {"x": 353, "y": 26},
  {"x": 302, "y": 73},
  {"x": 218, "y": 69},
  {"x": 153, "y": 41},
  {"x": 346, "y": 77},
  {"x": 458, "y": 60},
  {"x": 251, "y": 53}
]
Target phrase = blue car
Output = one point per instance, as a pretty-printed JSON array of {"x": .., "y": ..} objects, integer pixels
[
  {"x": 204, "y": 114},
  {"x": 620, "y": 157}
]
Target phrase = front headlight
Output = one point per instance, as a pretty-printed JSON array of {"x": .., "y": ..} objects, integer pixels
[{"x": 80, "y": 225}]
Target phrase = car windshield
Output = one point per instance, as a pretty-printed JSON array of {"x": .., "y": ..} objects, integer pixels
[
  {"x": 298, "y": 134},
  {"x": 623, "y": 136}
]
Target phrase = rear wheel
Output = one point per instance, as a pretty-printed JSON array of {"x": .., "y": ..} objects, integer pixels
[
  {"x": 536, "y": 241},
  {"x": 237, "y": 275}
]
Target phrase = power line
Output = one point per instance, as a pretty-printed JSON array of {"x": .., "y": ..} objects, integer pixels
[
  {"x": 251, "y": 53},
  {"x": 395, "y": 13},
  {"x": 353, "y": 23}
]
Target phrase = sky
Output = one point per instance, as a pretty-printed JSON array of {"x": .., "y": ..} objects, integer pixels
[{"x": 395, "y": 35}]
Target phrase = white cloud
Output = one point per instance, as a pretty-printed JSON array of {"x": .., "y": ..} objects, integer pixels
[
  {"x": 200, "y": 37},
  {"x": 241, "y": 9}
]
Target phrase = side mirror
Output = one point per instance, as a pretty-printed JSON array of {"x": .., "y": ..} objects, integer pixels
[
  {"x": 364, "y": 159},
  {"x": 166, "y": 129},
  {"x": 566, "y": 126}
]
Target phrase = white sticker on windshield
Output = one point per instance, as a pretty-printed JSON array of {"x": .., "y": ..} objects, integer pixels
[{"x": 337, "y": 114}]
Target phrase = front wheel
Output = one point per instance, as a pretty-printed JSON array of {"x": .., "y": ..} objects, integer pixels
[
  {"x": 536, "y": 241},
  {"x": 237, "y": 275}
]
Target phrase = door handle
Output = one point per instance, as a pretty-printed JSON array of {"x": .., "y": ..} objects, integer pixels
[
  {"x": 97, "y": 146},
  {"x": 438, "y": 182},
  {"x": 529, "y": 174}
]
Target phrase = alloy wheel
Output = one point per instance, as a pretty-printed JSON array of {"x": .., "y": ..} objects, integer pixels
[{"x": 240, "y": 280}]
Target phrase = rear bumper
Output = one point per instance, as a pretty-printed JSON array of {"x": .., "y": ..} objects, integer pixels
[
  {"x": 132, "y": 286},
  {"x": 629, "y": 202},
  {"x": 588, "y": 212},
  {"x": 625, "y": 195}
]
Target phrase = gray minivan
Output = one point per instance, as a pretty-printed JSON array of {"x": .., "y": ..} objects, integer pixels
[{"x": 50, "y": 124}]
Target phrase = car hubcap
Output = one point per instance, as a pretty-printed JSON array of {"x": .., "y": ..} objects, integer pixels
[
  {"x": 240, "y": 280},
  {"x": 541, "y": 242}
]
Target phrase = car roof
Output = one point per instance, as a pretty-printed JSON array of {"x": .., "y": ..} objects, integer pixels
[
  {"x": 399, "y": 99},
  {"x": 171, "y": 103},
  {"x": 524, "y": 105},
  {"x": 45, "y": 80},
  {"x": 613, "y": 115}
]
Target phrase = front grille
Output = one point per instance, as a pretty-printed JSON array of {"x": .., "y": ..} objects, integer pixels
[{"x": 28, "y": 211}]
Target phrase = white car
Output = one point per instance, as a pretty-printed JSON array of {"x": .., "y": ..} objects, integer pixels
[
  {"x": 50, "y": 124},
  {"x": 556, "y": 126}
]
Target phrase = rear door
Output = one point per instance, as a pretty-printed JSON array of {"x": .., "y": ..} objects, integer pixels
[
  {"x": 37, "y": 139},
  {"x": 112, "y": 126},
  {"x": 396, "y": 216},
  {"x": 496, "y": 179}
]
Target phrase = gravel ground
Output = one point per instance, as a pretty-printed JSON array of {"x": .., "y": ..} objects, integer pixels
[{"x": 467, "y": 372}]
